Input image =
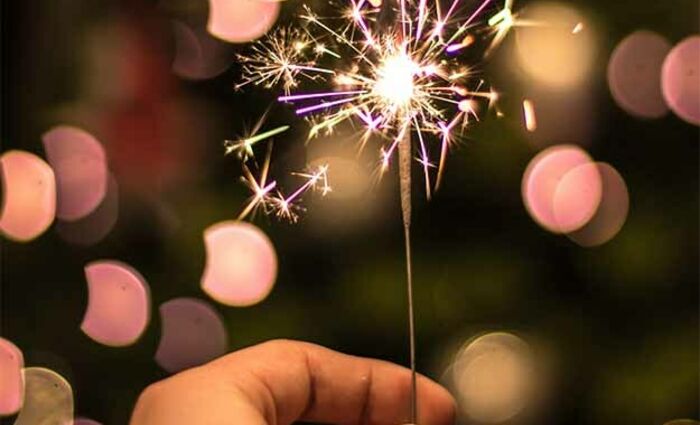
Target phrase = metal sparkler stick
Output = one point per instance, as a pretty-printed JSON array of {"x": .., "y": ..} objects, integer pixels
[{"x": 405, "y": 158}]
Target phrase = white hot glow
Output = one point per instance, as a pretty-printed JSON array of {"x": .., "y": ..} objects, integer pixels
[{"x": 395, "y": 82}]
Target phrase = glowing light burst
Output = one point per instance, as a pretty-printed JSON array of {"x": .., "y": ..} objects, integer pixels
[
  {"x": 394, "y": 80},
  {"x": 266, "y": 197},
  {"x": 286, "y": 55}
]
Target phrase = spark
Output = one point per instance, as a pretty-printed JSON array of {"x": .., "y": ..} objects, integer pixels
[
  {"x": 266, "y": 196},
  {"x": 286, "y": 206},
  {"x": 286, "y": 55},
  {"x": 530, "y": 117},
  {"x": 243, "y": 148},
  {"x": 260, "y": 188},
  {"x": 502, "y": 22},
  {"x": 392, "y": 80}
]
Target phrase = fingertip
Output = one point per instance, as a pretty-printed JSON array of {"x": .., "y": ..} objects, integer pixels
[{"x": 436, "y": 406}]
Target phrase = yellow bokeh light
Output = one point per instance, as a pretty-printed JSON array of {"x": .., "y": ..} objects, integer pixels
[{"x": 549, "y": 51}]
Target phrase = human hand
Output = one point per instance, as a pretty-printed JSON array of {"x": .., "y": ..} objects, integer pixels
[{"x": 279, "y": 382}]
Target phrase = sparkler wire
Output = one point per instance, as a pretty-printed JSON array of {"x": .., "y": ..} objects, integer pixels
[{"x": 405, "y": 191}]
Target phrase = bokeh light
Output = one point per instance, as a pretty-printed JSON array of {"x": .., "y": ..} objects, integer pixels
[
  {"x": 198, "y": 55},
  {"x": 29, "y": 204},
  {"x": 611, "y": 213},
  {"x": 48, "y": 398},
  {"x": 241, "y": 265},
  {"x": 634, "y": 74},
  {"x": 680, "y": 79},
  {"x": 12, "y": 388},
  {"x": 80, "y": 165},
  {"x": 97, "y": 225},
  {"x": 541, "y": 180},
  {"x": 682, "y": 422},
  {"x": 577, "y": 197},
  {"x": 549, "y": 49},
  {"x": 193, "y": 333},
  {"x": 240, "y": 21},
  {"x": 118, "y": 308},
  {"x": 493, "y": 377}
]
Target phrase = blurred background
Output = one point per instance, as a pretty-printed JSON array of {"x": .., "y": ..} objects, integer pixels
[{"x": 129, "y": 103}]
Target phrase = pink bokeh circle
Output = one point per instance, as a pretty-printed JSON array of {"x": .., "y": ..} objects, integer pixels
[
  {"x": 680, "y": 79},
  {"x": 241, "y": 265},
  {"x": 241, "y": 21}
]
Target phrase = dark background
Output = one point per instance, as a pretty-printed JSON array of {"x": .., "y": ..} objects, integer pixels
[{"x": 621, "y": 319}]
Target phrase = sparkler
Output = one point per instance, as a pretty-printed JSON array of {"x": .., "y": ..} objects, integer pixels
[{"x": 396, "y": 78}]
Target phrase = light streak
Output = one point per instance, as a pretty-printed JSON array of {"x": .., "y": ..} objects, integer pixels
[
  {"x": 244, "y": 147},
  {"x": 267, "y": 197},
  {"x": 529, "y": 114}
]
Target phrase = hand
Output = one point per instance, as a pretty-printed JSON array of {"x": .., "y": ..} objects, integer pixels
[{"x": 279, "y": 382}]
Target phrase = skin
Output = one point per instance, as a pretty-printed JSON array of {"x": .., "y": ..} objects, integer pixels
[{"x": 279, "y": 382}]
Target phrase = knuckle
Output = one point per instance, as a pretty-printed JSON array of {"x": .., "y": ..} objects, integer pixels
[{"x": 281, "y": 345}]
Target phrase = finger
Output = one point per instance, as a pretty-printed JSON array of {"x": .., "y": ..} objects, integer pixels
[{"x": 288, "y": 381}]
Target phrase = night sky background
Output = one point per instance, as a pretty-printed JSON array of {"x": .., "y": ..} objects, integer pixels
[{"x": 621, "y": 320}]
